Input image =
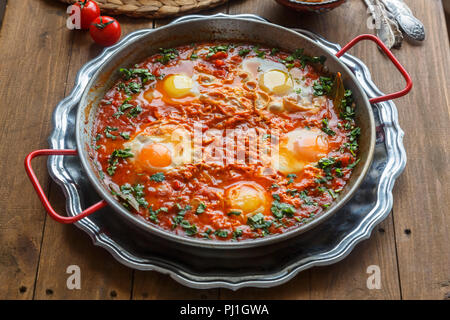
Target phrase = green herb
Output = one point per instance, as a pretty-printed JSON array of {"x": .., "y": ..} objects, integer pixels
[
  {"x": 244, "y": 52},
  {"x": 167, "y": 55},
  {"x": 274, "y": 186},
  {"x": 352, "y": 165},
  {"x": 306, "y": 200},
  {"x": 113, "y": 159},
  {"x": 302, "y": 58},
  {"x": 215, "y": 49},
  {"x": 193, "y": 56},
  {"x": 221, "y": 233},
  {"x": 201, "y": 208},
  {"x": 108, "y": 134},
  {"x": 234, "y": 212},
  {"x": 323, "y": 86},
  {"x": 131, "y": 88},
  {"x": 259, "y": 53},
  {"x": 352, "y": 146},
  {"x": 124, "y": 106},
  {"x": 237, "y": 233},
  {"x": 122, "y": 153},
  {"x": 179, "y": 218},
  {"x": 207, "y": 233},
  {"x": 143, "y": 74},
  {"x": 125, "y": 135},
  {"x": 280, "y": 209},
  {"x": 134, "y": 112},
  {"x": 326, "y": 163},
  {"x": 325, "y": 128},
  {"x": 274, "y": 51},
  {"x": 291, "y": 178},
  {"x": 257, "y": 221},
  {"x": 292, "y": 192},
  {"x": 154, "y": 213},
  {"x": 332, "y": 193},
  {"x": 158, "y": 177},
  {"x": 190, "y": 229}
]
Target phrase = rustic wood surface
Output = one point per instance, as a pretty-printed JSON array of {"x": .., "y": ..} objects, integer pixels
[{"x": 38, "y": 63}]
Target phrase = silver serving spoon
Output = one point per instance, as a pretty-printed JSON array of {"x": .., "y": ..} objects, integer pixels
[{"x": 410, "y": 25}]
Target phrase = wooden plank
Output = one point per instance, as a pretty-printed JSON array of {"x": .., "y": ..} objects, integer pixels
[
  {"x": 153, "y": 285},
  {"x": 422, "y": 194},
  {"x": 346, "y": 279},
  {"x": 33, "y": 67},
  {"x": 102, "y": 277}
]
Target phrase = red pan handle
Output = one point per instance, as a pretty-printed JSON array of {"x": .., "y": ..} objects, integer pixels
[
  {"x": 394, "y": 60},
  {"x": 41, "y": 193}
]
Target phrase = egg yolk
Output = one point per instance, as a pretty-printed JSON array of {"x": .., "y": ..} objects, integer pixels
[
  {"x": 177, "y": 85},
  {"x": 276, "y": 81},
  {"x": 156, "y": 155},
  {"x": 310, "y": 147},
  {"x": 247, "y": 197}
]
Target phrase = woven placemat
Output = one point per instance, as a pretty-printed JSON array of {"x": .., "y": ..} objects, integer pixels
[{"x": 153, "y": 8}]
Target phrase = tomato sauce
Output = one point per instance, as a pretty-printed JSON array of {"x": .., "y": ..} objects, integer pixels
[{"x": 203, "y": 91}]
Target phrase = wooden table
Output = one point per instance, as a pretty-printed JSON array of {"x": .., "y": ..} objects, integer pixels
[{"x": 39, "y": 58}]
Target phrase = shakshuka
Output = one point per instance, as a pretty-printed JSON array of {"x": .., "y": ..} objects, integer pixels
[{"x": 226, "y": 141}]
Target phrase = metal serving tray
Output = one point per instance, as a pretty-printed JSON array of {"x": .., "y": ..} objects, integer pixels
[{"x": 265, "y": 266}]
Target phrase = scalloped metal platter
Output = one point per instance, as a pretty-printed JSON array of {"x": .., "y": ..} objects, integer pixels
[{"x": 267, "y": 266}]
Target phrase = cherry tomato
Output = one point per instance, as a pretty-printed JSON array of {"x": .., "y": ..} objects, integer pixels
[
  {"x": 89, "y": 11},
  {"x": 105, "y": 31}
]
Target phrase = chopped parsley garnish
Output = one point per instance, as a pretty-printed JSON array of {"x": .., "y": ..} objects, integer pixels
[
  {"x": 274, "y": 51},
  {"x": 131, "y": 88},
  {"x": 158, "y": 177},
  {"x": 291, "y": 178},
  {"x": 280, "y": 209},
  {"x": 237, "y": 233},
  {"x": 179, "y": 218},
  {"x": 215, "y": 49},
  {"x": 167, "y": 55},
  {"x": 134, "y": 112},
  {"x": 244, "y": 52},
  {"x": 352, "y": 165},
  {"x": 124, "y": 106},
  {"x": 221, "y": 233},
  {"x": 259, "y": 53},
  {"x": 323, "y": 86},
  {"x": 207, "y": 233},
  {"x": 137, "y": 191},
  {"x": 114, "y": 159},
  {"x": 325, "y": 128},
  {"x": 257, "y": 221},
  {"x": 190, "y": 229},
  {"x": 193, "y": 56},
  {"x": 201, "y": 208},
  {"x": 302, "y": 58},
  {"x": 307, "y": 200},
  {"x": 144, "y": 74},
  {"x": 326, "y": 163},
  {"x": 234, "y": 213},
  {"x": 108, "y": 134},
  {"x": 125, "y": 135},
  {"x": 154, "y": 213}
]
